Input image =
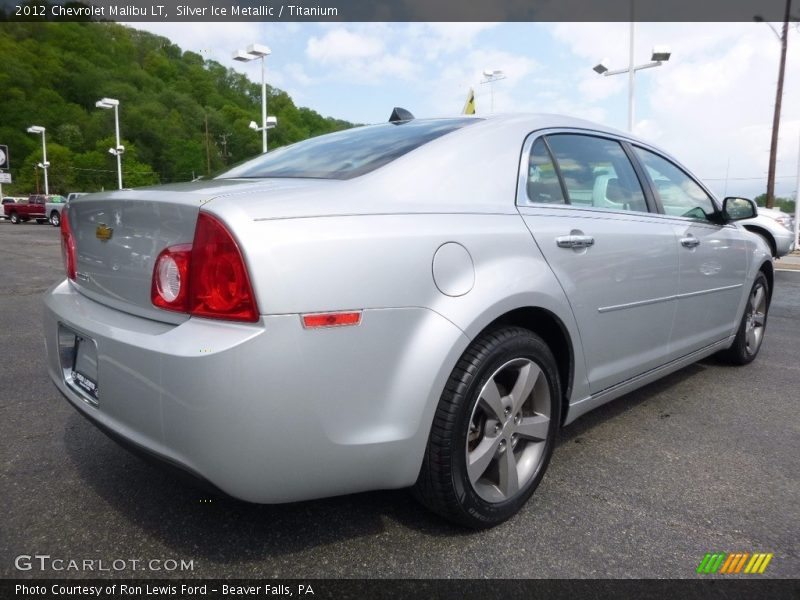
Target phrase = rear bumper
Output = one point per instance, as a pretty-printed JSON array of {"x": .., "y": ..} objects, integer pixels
[{"x": 269, "y": 412}]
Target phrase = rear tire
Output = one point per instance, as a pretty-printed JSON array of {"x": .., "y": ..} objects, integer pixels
[
  {"x": 14, "y": 218},
  {"x": 494, "y": 430},
  {"x": 55, "y": 219},
  {"x": 753, "y": 325}
]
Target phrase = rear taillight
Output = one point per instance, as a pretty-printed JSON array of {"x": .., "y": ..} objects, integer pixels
[
  {"x": 207, "y": 278},
  {"x": 67, "y": 245},
  {"x": 170, "y": 288}
]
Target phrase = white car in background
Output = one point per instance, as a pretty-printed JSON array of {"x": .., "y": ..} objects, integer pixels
[
  {"x": 56, "y": 204},
  {"x": 776, "y": 228}
]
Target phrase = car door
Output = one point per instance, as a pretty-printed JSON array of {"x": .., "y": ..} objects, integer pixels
[
  {"x": 616, "y": 260},
  {"x": 712, "y": 256}
]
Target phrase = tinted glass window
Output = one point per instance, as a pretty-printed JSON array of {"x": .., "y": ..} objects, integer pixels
[
  {"x": 597, "y": 173},
  {"x": 680, "y": 195},
  {"x": 542, "y": 182},
  {"x": 347, "y": 154}
]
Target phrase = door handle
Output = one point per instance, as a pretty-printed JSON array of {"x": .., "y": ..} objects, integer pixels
[
  {"x": 690, "y": 242},
  {"x": 575, "y": 241}
]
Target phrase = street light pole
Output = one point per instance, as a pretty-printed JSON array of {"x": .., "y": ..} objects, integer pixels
[
  {"x": 631, "y": 76},
  {"x": 797, "y": 202},
  {"x": 253, "y": 52},
  {"x": 119, "y": 149},
  {"x": 263, "y": 106},
  {"x": 118, "y": 153},
  {"x": 44, "y": 164},
  {"x": 660, "y": 55},
  {"x": 492, "y": 76}
]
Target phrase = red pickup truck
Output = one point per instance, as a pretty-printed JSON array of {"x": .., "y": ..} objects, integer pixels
[{"x": 25, "y": 210}]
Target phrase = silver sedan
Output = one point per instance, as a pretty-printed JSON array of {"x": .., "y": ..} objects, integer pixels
[
  {"x": 776, "y": 228},
  {"x": 418, "y": 303}
]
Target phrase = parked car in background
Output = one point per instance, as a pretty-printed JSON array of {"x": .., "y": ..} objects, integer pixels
[
  {"x": 8, "y": 200},
  {"x": 72, "y": 195},
  {"x": 775, "y": 227},
  {"x": 26, "y": 209},
  {"x": 418, "y": 303},
  {"x": 53, "y": 208}
]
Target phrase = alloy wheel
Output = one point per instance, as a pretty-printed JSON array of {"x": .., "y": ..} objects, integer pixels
[
  {"x": 756, "y": 318},
  {"x": 508, "y": 430}
]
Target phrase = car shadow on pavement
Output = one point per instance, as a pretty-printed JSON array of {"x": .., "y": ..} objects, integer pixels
[
  {"x": 625, "y": 403},
  {"x": 223, "y": 529}
]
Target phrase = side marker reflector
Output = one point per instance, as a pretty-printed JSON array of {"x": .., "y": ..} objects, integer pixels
[{"x": 337, "y": 319}]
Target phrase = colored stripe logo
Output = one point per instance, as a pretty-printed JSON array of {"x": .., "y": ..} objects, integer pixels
[{"x": 732, "y": 563}]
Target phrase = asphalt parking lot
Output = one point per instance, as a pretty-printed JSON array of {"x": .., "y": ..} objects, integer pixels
[{"x": 705, "y": 460}]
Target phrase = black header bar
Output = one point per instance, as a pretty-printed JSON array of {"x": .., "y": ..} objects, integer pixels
[{"x": 189, "y": 11}]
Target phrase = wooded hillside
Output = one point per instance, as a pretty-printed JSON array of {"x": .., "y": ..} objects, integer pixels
[{"x": 52, "y": 75}]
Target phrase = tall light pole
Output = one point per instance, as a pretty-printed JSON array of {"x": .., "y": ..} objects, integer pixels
[
  {"x": 108, "y": 103},
  {"x": 659, "y": 56},
  {"x": 492, "y": 75},
  {"x": 44, "y": 164},
  {"x": 254, "y": 52},
  {"x": 797, "y": 202}
]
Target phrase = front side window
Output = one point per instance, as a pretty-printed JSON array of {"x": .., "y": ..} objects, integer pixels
[
  {"x": 349, "y": 153},
  {"x": 597, "y": 173},
  {"x": 680, "y": 195}
]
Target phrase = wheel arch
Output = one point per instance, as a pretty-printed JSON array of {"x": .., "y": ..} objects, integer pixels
[
  {"x": 769, "y": 272},
  {"x": 554, "y": 332},
  {"x": 764, "y": 234}
]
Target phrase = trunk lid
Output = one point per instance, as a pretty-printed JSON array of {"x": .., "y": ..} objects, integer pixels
[{"x": 119, "y": 235}]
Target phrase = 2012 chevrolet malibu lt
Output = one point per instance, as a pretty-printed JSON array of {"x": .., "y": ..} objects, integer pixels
[{"x": 417, "y": 303}]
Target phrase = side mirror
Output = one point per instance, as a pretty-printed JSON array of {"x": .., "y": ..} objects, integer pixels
[{"x": 736, "y": 209}]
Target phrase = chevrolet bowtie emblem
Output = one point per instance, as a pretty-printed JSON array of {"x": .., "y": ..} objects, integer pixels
[{"x": 103, "y": 232}]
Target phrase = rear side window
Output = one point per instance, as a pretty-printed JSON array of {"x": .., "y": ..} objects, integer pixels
[
  {"x": 542, "y": 183},
  {"x": 597, "y": 173},
  {"x": 347, "y": 154},
  {"x": 680, "y": 195}
]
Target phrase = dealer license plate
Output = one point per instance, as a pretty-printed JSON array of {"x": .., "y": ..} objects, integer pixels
[{"x": 84, "y": 368}]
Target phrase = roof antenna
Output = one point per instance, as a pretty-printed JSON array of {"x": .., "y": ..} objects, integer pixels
[{"x": 399, "y": 115}]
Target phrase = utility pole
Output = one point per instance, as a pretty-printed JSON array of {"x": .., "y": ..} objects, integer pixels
[{"x": 776, "y": 119}]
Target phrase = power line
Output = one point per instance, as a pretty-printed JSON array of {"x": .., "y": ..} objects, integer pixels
[
  {"x": 113, "y": 171},
  {"x": 744, "y": 178}
]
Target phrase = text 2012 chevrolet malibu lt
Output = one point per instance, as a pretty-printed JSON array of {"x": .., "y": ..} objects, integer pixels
[{"x": 417, "y": 303}]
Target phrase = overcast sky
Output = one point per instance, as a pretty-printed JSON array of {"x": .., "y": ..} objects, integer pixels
[{"x": 710, "y": 105}]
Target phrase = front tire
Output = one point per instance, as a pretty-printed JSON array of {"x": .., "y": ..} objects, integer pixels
[
  {"x": 753, "y": 325},
  {"x": 55, "y": 219},
  {"x": 494, "y": 430}
]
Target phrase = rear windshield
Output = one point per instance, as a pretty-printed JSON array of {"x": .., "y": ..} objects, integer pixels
[{"x": 347, "y": 154}]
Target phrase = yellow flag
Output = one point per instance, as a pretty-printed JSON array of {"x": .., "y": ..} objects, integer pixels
[{"x": 469, "y": 107}]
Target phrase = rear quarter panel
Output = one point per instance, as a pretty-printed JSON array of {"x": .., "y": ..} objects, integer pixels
[{"x": 340, "y": 263}]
